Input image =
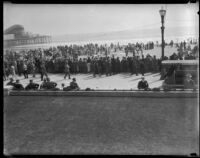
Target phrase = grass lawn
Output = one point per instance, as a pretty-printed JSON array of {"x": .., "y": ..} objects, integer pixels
[{"x": 100, "y": 125}]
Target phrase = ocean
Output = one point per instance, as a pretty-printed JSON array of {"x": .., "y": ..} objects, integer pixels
[{"x": 102, "y": 42}]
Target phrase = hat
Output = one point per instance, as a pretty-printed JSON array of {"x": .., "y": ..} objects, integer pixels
[{"x": 74, "y": 79}]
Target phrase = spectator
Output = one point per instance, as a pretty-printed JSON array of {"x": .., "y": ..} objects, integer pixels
[
  {"x": 25, "y": 71},
  {"x": 63, "y": 86},
  {"x": 143, "y": 84},
  {"x": 32, "y": 64},
  {"x": 18, "y": 86},
  {"x": 188, "y": 82},
  {"x": 88, "y": 65},
  {"x": 43, "y": 71},
  {"x": 68, "y": 88},
  {"x": 52, "y": 59},
  {"x": 13, "y": 71},
  {"x": 74, "y": 85},
  {"x": 67, "y": 71},
  {"x": 32, "y": 86},
  {"x": 51, "y": 85},
  {"x": 43, "y": 86},
  {"x": 142, "y": 63},
  {"x": 11, "y": 82}
]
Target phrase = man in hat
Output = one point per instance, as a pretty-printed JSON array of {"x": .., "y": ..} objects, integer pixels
[
  {"x": 11, "y": 82},
  {"x": 188, "y": 82},
  {"x": 51, "y": 85},
  {"x": 32, "y": 86},
  {"x": 43, "y": 84},
  {"x": 74, "y": 85},
  {"x": 18, "y": 86},
  {"x": 25, "y": 70},
  {"x": 43, "y": 71},
  {"x": 143, "y": 84},
  {"x": 67, "y": 70}
]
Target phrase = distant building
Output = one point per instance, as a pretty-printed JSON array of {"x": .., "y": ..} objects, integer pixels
[{"x": 16, "y": 36}]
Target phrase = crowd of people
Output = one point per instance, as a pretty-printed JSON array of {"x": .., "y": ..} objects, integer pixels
[
  {"x": 185, "y": 52},
  {"x": 97, "y": 60},
  {"x": 64, "y": 59},
  {"x": 47, "y": 84}
]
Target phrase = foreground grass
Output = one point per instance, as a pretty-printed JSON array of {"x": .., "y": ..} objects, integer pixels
[{"x": 100, "y": 125}]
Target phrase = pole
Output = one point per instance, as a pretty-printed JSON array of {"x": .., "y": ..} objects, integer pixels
[
  {"x": 163, "y": 45},
  {"x": 162, "y": 32}
]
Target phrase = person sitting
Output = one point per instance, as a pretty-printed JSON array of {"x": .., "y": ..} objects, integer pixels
[
  {"x": 62, "y": 85},
  {"x": 11, "y": 82},
  {"x": 51, "y": 85},
  {"x": 74, "y": 85},
  {"x": 143, "y": 84},
  {"x": 18, "y": 86},
  {"x": 43, "y": 85},
  {"x": 32, "y": 86},
  {"x": 68, "y": 88},
  {"x": 188, "y": 82}
]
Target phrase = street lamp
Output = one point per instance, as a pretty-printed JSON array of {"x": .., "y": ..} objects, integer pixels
[{"x": 162, "y": 14}]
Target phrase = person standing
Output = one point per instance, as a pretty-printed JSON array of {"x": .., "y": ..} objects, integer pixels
[
  {"x": 76, "y": 68},
  {"x": 4, "y": 72},
  {"x": 43, "y": 71},
  {"x": 33, "y": 68},
  {"x": 137, "y": 64},
  {"x": 88, "y": 65},
  {"x": 99, "y": 66},
  {"x": 108, "y": 66},
  {"x": 142, "y": 66},
  {"x": 12, "y": 70},
  {"x": 25, "y": 70},
  {"x": 118, "y": 65},
  {"x": 95, "y": 63},
  {"x": 113, "y": 65},
  {"x": 67, "y": 70},
  {"x": 19, "y": 67}
]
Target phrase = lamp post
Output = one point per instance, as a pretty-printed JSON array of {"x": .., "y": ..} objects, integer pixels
[{"x": 162, "y": 14}]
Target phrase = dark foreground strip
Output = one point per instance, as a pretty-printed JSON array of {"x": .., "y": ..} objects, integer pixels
[{"x": 105, "y": 93}]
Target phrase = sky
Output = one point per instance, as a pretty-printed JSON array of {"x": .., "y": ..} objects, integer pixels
[{"x": 55, "y": 19}]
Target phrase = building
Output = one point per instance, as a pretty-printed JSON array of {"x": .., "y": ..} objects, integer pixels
[{"x": 16, "y": 36}]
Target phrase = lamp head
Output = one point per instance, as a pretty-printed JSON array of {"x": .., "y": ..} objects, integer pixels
[{"x": 162, "y": 12}]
